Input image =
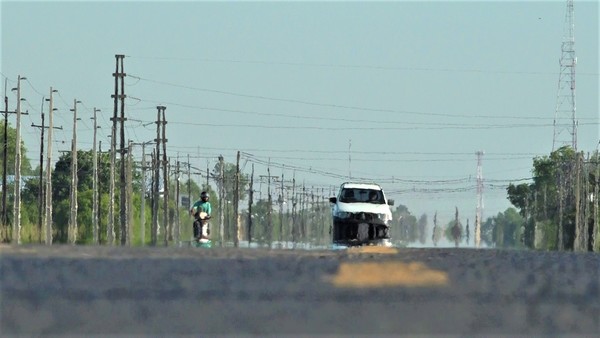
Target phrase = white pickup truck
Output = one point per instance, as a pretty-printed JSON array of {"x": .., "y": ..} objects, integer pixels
[{"x": 361, "y": 215}]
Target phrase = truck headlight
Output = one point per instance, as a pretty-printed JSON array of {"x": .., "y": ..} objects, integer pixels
[
  {"x": 383, "y": 217},
  {"x": 344, "y": 214}
]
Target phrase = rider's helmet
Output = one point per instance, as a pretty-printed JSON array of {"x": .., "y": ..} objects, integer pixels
[{"x": 204, "y": 196}]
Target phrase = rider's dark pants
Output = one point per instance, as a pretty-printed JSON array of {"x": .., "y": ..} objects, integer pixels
[{"x": 197, "y": 228}]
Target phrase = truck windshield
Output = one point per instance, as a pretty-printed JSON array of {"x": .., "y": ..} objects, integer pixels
[{"x": 351, "y": 195}]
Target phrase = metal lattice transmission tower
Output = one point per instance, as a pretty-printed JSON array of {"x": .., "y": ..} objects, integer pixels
[
  {"x": 565, "y": 122},
  {"x": 479, "y": 211}
]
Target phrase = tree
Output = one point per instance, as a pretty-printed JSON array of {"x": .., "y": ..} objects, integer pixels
[
  {"x": 228, "y": 183},
  {"x": 548, "y": 204},
  {"x": 510, "y": 225},
  {"x": 454, "y": 230},
  {"x": 8, "y": 190},
  {"x": 437, "y": 231},
  {"x": 559, "y": 207},
  {"x": 422, "y": 224},
  {"x": 487, "y": 231},
  {"x": 404, "y": 225},
  {"x": 61, "y": 183},
  {"x": 11, "y": 139}
]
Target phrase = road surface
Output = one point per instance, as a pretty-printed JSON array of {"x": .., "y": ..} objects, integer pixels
[{"x": 115, "y": 291}]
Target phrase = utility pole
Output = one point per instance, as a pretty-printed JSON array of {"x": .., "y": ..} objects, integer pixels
[
  {"x": 49, "y": 171},
  {"x": 98, "y": 195},
  {"x": 155, "y": 178},
  {"x": 129, "y": 179},
  {"x": 3, "y": 218},
  {"x": 294, "y": 230},
  {"x": 143, "y": 198},
  {"x": 95, "y": 184},
  {"x": 580, "y": 199},
  {"x": 477, "y": 238},
  {"x": 270, "y": 206},
  {"x": 565, "y": 121},
  {"x": 113, "y": 149},
  {"x": 17, "y": 206},
  {"x": 250, "y": 201},
  {"x": 171, "y": 212},
  {"x": 236, "y": 200},
  {"x": 189, "y": 183},
  {"x": 303, "y": 211},
  {"x": 160, "y": 122},
  {"x": 41, "y": 181},
  {"x": 177, "y": 180},
  {"x": 110, "y": 226},
  {"x": 561, "y": 178},
  {"x": 207, "y": 177},
  {"x": 143, "y": 195},
  {"x": 120, "y": 74},
  {"x": 221, "y": 198},
  {"x": 73, "y": 219},
  {"x": 280, "y": 200},
  {"x": 596, "y": 233},
  {"x": 165, "y": 178}
]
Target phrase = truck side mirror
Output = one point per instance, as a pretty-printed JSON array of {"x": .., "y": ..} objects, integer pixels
[
  {"x": 390, "y": 202},
  {"x": 333, "y": 200}
]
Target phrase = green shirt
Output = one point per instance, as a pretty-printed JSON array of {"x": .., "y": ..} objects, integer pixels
[{"x": 201, "y": 206}]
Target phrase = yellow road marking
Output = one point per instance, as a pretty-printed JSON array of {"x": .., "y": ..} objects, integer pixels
[
  {"x": 385, "y": 274},
  {"x": 373, "y": 249}
]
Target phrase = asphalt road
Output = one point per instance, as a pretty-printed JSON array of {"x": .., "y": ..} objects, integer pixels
[{"x": 115, "y": 291}]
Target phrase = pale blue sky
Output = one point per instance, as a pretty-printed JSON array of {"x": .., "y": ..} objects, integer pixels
[{"x": 416, "y": 87}]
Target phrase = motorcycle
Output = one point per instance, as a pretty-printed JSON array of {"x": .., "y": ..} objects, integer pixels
[{"x": 203, "y": 241}]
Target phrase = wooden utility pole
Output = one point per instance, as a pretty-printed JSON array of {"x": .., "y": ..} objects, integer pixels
[
  {"x": 479, "y": 209},
  {"x": 113, "y": 152},
  {"x": 294, "y": 228},
  {"x": 189, "y": 183},
  {"x": 17, "y": 205},
  {"x": 95, "y": 184},
  {"x": 280, "y": 201},
  {"x": 170, "y": 211},
  {"x": 3, "y": 218},
  {"x": 165, "y": 177},
  {"x": 250, "y": 201},
  {"x": 221, "y": 198},
  {"x": 596, "y": 232},
  {"x": 129, "y": 185},
  {"x": 110, "y": 227},
  {"x": 122, "y": 150},
  {"x": 48, "y": 217},
  {"x": 73, "y": 228},
  {"x": 158, "y": 140},
  {"x": 41, "y": 176},
  {"x": 303, "y": 213},
  {"x": 177, "y": 180},
  {"x": 207, "y": 177},
  {"x": 155, "y": 176},
  {"x": 143, "y": 197},
  {"x": 561, "y": 202},
  {"x": 269, "y": 206},
  {"x": 98, "y": 195},
  {"x": 579, "y": 243},
  {"x": 236, "y": 199}
]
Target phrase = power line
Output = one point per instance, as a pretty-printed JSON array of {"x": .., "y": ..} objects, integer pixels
[
  {"x": 311, "y": 103},
  {"x": 332, "y": 65}
]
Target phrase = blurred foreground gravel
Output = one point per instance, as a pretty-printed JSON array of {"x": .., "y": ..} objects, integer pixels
[{"x": 114, "y": 291}]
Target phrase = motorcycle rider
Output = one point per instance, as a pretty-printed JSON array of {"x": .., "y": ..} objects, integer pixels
[{"x": 201, "y": 205}]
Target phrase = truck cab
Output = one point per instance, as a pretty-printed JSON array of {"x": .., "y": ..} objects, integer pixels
[{"x": 361, "y": 215}]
